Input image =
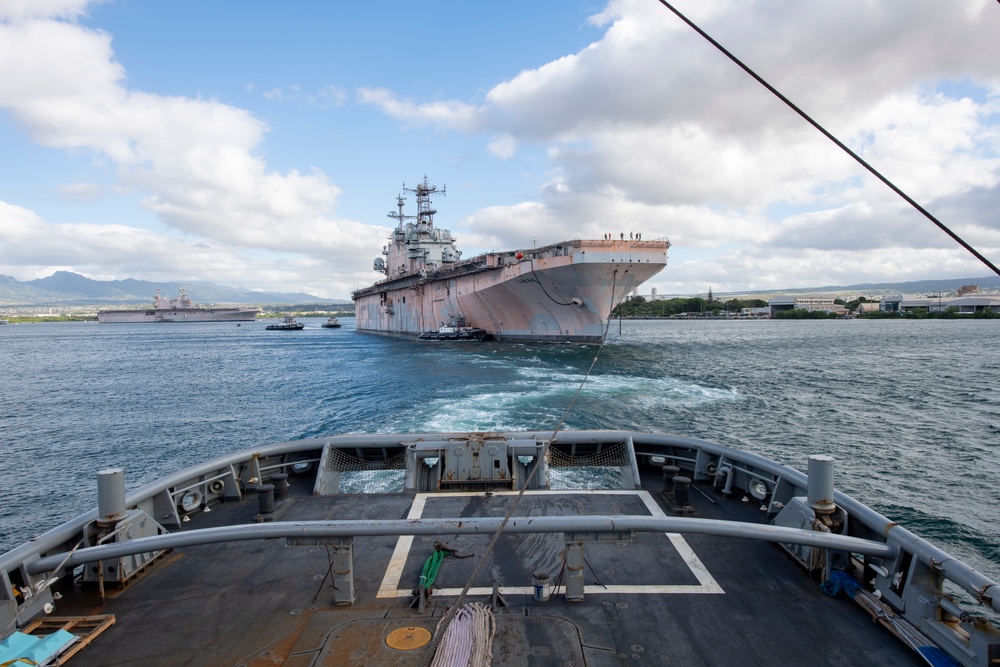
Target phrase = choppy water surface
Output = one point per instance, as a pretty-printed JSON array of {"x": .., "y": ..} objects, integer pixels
[{"x": 908, "y": 408}]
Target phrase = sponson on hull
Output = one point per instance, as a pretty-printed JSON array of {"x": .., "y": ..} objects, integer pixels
[{"x": 559, "y": 292}]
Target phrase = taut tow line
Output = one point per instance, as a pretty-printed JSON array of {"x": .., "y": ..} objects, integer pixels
[
  {"x": 892, "y": 186},
  {"x": 456, "y": 608}
]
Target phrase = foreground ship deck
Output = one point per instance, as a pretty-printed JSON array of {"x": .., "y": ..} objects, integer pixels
[{"x": 340, "y": 588}]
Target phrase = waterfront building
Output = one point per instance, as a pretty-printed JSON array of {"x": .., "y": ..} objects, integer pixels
[
  {"x": 965, "y": 305},
  {"x": 867, "y": 307},
  {"x": 810, "y": 302}
]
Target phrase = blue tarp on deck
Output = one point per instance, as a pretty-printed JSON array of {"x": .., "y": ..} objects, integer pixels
[{"x": 36, "y": 650}]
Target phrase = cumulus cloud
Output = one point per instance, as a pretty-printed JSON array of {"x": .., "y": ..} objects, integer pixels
[
  {"x": 81, "y": 191},
  {"x": 672, "y": 135},
  {"x": 16, "y": 10},
  {"x": 503, "y": 146},
  {"x": 451, "y": 113},
  {"x": 646, "y": 129},
  {"x": 18, "y": 224},
  {"x": 199, "y": 158},
  {"x": 753, "y": 270}
]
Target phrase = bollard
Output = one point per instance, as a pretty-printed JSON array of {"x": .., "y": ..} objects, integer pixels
[
  {"x": 669, "y": 472},
  {"x": 265, "y": 501},
  {"x": 682, "y": 488},
  {"x": 819, "y": 487},
  {"x": 280, "y": 482}
]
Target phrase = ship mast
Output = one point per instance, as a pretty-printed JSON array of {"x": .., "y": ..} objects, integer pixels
[
  {"x": 425, "y": 214},
  {"x": 399, "y": 216},
  {"x": 416, "y": 246}
]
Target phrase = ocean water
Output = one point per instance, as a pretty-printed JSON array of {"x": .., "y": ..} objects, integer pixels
[{"x": 909, "y": 409}]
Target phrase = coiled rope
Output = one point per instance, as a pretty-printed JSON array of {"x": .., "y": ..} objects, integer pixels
[{"x": 468, "y": 639}]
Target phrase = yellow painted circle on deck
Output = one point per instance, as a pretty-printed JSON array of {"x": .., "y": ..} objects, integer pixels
[{"x": 408, "y": 638}]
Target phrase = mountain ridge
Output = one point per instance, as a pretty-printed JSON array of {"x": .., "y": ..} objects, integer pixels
[{"x": 65, "y": 288}]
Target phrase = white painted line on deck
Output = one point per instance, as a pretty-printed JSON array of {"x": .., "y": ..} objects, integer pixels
[
  {"x": 394, "y": 572},
  {"x": 698, "y": 569}
]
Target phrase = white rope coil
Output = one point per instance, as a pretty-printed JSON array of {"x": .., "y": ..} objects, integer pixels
[{"x": 468, "y": 640}]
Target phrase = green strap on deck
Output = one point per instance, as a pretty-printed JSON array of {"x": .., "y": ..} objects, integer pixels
[{"x": 431, "y": 567}]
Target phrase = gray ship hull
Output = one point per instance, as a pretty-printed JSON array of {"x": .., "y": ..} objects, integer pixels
[
  {"x": 178, "y": 309},
  {"x": 178, "y": 315},
  {"x": 561, "y": 293}
]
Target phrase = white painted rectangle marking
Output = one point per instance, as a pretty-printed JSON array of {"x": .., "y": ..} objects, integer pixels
[{"x": 394, "y": 572}]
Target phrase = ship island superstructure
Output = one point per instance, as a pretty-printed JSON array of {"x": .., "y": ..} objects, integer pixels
[
  {"x": 562, "y": 292},
  {"x": 178, "y": 309}
]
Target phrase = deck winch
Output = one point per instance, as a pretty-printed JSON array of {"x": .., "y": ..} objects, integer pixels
[
  {"x": 116, "y": 524},
  {"x": 815, "y": 511}
]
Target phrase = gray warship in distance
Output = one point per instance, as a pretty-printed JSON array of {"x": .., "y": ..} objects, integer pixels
[
  {"x": 563, "y": 292},
  {"x": 695, "y": 554},
  {"x": 178, "y": 309}
]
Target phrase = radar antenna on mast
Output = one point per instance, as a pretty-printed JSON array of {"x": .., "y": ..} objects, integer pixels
[
  {"x": 399, "y": 216},
  {"x": 423, "y": 191}
]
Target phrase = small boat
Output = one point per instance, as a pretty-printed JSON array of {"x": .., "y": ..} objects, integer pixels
[
  {"x": 288, "y": 324},
  {"x": 332, "y": 323},
  {"x": 457, "y": 330}
]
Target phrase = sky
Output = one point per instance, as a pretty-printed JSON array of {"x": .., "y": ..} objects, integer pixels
[{"x": 262, "y": 145}]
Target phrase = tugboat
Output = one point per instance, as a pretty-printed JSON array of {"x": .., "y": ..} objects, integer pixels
[
  {"x": 457, "y": 330},
  {"x": 288, "y": 324},
  {"x": 332, "y": 323}
]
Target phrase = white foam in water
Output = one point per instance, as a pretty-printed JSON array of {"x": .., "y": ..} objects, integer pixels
[
  {"x": 372, "y": 481},
  {"x": 658, "y": 392},
  {"x": 545, "y": 397},
  {"x": 490, "y": 411}
]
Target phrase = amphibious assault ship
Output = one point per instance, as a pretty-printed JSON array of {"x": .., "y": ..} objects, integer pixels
[
  {"x": 559, "y": 292},
  {"x": 178, "y": 309}
]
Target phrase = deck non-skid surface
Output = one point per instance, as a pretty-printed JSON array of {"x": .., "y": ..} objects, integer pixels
[{"x": 657, "y": 599}]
